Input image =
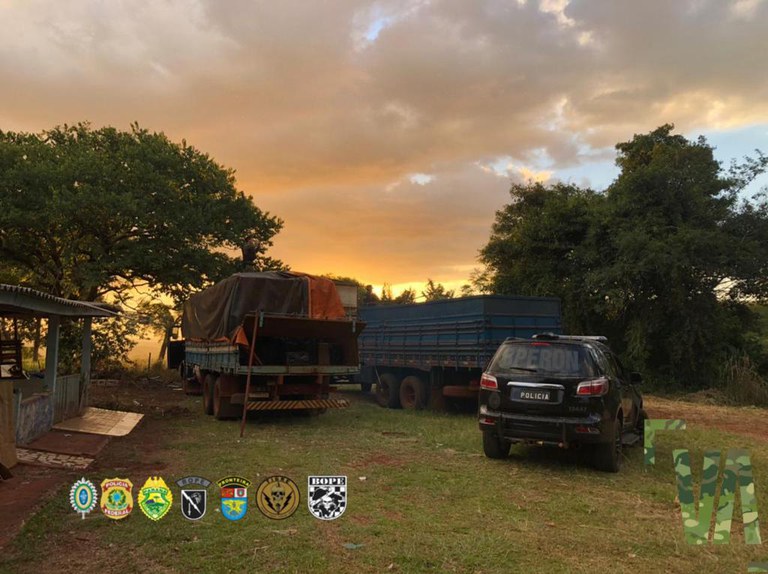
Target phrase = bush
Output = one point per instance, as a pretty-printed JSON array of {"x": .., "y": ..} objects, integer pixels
[{"x": 742, "y": 384}]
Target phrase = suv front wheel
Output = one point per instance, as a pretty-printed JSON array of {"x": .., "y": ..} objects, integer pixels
[
  {"x": 495, "y": 447},
  {"x": 608, "y": 454}
]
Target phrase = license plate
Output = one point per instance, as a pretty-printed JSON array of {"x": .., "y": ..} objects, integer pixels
[{"x": 543, "y": 395}]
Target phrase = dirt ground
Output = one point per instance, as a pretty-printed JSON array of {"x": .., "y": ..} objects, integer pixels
[
  {"x": 746, "y": 421},
  {"x": 32, "y": 486},
  {"x": 137, "y": 453}
]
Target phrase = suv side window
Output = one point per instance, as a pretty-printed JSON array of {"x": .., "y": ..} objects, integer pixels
[
  {"x": 623, "y": 374},
  {"x": 606, "y": 366}
]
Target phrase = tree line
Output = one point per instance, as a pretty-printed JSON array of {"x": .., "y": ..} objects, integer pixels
[{"x": 670, "y": 261}]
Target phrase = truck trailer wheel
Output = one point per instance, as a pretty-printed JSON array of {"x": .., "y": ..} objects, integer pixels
[
  {"x": 413, "y": 393},
  {"x": 223, "y": 409},
  {"x": 388, "y": 391},
  {"x": 208, "y": 383}
]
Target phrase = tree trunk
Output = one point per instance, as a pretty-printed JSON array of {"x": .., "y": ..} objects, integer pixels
[{"x": 164, "y": 344}]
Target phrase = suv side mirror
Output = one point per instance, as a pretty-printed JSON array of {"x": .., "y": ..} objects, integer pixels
[{"x": 635, "y": 378}]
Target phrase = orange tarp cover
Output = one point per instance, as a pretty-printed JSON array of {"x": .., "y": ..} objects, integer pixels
[{"x": 324, "y": 301}]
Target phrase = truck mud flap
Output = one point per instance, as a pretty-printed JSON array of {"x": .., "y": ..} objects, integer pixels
[
  {"x": 460, "y": 392},
  {"x": 294, "y": 405}
]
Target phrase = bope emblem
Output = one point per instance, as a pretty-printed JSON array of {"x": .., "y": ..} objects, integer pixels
[
  {"x": 155, "y": 498},
  {"x": 234, "y": 496}
]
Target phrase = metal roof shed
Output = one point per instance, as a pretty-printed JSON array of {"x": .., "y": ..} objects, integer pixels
[{"x": 23, "y": 418}]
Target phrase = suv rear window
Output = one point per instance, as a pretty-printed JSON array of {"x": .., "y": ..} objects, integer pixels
[{"x": 558, "y": 359}]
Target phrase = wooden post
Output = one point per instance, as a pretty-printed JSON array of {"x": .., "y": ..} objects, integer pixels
[{"x": 85, "y": 364}]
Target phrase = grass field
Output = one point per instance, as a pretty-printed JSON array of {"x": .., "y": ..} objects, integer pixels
[{"x": 422, "y": 498}]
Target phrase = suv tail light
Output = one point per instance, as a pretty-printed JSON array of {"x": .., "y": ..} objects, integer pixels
[
  {"x": 594, "y": 388},
  {"x": 489, "y": 382}
]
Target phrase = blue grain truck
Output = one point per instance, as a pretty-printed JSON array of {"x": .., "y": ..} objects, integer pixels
[{"x": 430, "y": 354}]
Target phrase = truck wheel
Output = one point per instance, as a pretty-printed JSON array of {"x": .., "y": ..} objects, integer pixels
[
  {"x": 208, "y": 384},
  {"x": 413, "y": 393},
  {"x": 608, "y": 455},
  {"x": 223, "y": 409},
  {"x": 388, "y": 391},
  {"x": 495, "y": 447}
]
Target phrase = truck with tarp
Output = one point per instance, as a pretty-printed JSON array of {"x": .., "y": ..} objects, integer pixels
[
  {"x": 265, "y": 342},
  {"x": 433, "y": 354}
]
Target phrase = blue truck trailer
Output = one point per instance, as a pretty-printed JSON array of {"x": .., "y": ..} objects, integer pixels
[{"x": 427, "y": 354}]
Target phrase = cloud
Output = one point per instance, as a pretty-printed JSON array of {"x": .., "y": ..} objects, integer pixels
[
  {"x": 334, "y": 105},
  {"x": 403, "y": 234}
]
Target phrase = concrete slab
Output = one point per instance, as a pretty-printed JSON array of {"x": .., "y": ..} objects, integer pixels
[
  {"x": 101, "y": 421},
  {"x": 73, "y": 443}
]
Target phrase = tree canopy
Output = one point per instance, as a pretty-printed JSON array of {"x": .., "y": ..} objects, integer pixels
[
  {"x": 85, "y": 212},
  {"x": 663, "y": 262}
]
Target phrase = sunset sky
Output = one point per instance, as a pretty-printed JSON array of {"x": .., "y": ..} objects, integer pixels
[{"x": 385, "y": 134}]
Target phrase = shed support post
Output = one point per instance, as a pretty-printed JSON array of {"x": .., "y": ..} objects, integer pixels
[
  {"x": 52, "y": 355},
  {"x": 85, "y": 362}
]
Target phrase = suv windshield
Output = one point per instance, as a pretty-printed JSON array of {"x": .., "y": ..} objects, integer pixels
[{"x": 558, "y": 359}]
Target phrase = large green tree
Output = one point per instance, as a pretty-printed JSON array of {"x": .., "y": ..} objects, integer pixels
[
  {"x": 663, "y": 261},
  {"x": 85, "y": 212},
  {"x": 537, "y": 248},
  {"x": 95, "y": 214}
]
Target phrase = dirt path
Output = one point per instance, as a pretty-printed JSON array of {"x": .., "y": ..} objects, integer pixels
[{"x": 746, "y": 421}]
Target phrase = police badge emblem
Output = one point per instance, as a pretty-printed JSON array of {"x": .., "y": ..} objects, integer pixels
[
  {"x": 155, "y": 498},
  {"x": 327, "y": 496},
  {"x": 234, "y": 496},
  {"x": 278, "y": 497},
  {"x": 83, "y": 496},
  {"x": 193, "y": 500},
  {"x": 116, "y": 498}
]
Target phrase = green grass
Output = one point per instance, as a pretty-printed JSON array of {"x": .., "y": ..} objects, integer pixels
[{"x": 422, "y": 498}]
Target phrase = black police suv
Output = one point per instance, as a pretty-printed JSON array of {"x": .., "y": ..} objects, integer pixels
[{"x": 560, "y": 390}]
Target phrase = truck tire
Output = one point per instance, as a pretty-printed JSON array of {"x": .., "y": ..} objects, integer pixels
[
  {"x": 388, "y": 391},
  {"x": 607, "y": 456},
  {"x": 413, "y": 393},
  {"x": 208, "y": 383},
  {"x": 223, "y": 409},
  {"x": 495, "y": 447}
]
